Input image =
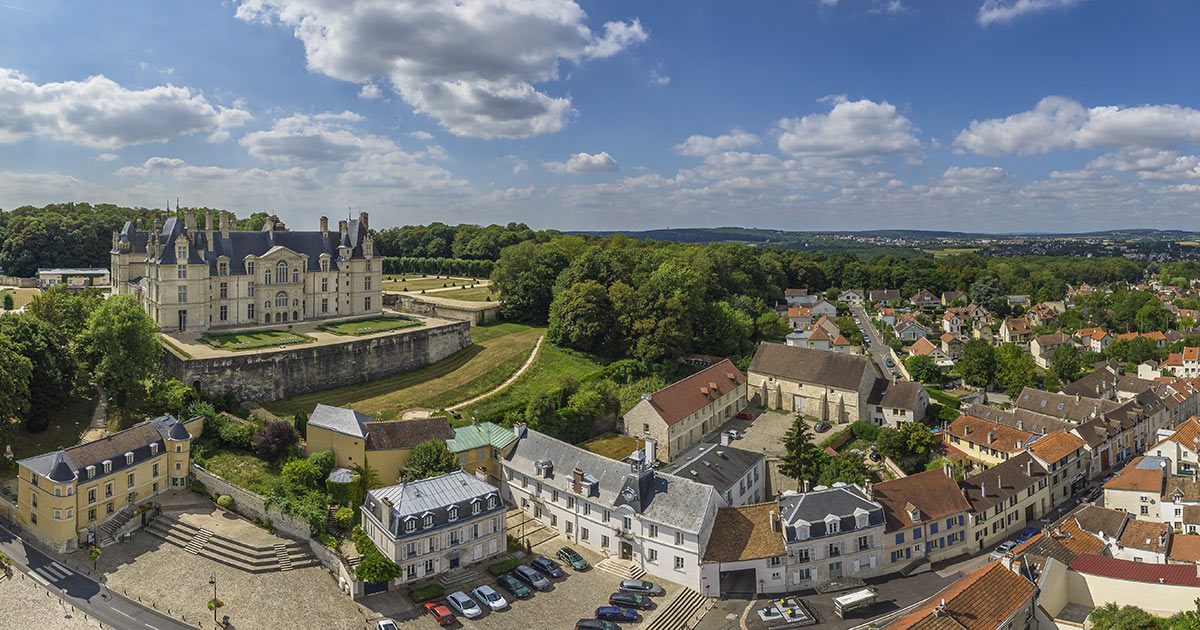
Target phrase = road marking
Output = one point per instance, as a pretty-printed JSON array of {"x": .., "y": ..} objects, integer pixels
[
  {"x": 39, "y": 579},
  {"x": 121, "y": 612}
]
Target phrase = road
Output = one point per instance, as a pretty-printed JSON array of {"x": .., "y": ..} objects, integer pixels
[
  {"x": 82, "y": 592},
  {"x": 879, "y": 349}
]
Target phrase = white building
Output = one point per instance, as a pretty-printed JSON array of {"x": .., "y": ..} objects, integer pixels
[{"x": 738, "y": 475}]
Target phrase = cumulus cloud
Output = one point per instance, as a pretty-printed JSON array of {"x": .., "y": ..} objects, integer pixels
[
  {"x": 370, "y": 91},
  {"x": 992, "y": 11},
  {"x": 321, "y": 138},
  {"x": 421, "y": 135},
  {"x": 600, "y": 162},
  {"x": 511, "y": 194},
  {"x": 852, "y": 129},
  {"x": 700, "y": 146},
  {"x": 97, "y": 112},
  {"x": 471, "y": 65},
  {"x": 1151, "y": 164},
  {"x": 1061, "y": 123},
  {"x": 107, "y": 157},
  {"x": 403, "y": 171}
]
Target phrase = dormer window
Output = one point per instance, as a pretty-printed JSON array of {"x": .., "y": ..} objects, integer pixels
[
  {"x": 833, "y": 525},
  {"x": 491, "y": 502},
  {"x": 107, "y": 466},
  {"x": 428, "y": 521},
  {"x": 223, "y": 268},
  {"x": 475, "y": 506},
  {"x": 250, "y": 268},
  {"x": 410, "y": 524},
  {"x": 91, "y": 471},
  {"x": 128, "y": 458},
  {"x": 154, "y": 448},
  {"x": 181, "y": 252},
  {"x": 452, "y": 513}
]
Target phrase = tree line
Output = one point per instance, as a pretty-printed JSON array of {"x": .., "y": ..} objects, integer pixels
[
  {"x": 464, "y": 241},
  {"x": 438, "y": 266}
]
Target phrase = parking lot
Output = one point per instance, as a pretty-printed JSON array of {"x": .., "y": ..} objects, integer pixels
[{"x": 572, "y": 597}]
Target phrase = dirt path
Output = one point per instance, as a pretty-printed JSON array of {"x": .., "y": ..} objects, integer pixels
[{"x": 537, "y": 347}]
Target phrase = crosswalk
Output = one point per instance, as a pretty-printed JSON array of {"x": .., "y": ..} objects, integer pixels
[{"x": 53, "y": 572}]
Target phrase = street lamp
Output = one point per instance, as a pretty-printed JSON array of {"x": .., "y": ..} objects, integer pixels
[{"x": 213, "y": 581}]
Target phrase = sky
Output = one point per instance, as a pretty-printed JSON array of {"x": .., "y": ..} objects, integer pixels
[{"x": 970, "y": 115}]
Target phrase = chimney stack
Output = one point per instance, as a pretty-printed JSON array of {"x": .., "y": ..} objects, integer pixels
[
  {"x": 519, "y": 430},
  {"x": 189, "y": 222},
  {"x": 343, "y": 227},
  {"x": 577, "y": 481},
  {"x": 775, "y": 524},
  {"x": 362, "y": 219},
  {"x": 650, "y": 454},
  {"x": 869, "y": 489},
  {"x": 387, "y": 514},
  {"x": 208, "y": 229},
  {"x": 224, "y": 224},
  {"x": 138, "y": 224},
  {"x": 325, "y": 226},
  {"x": 724, "y": 439}
]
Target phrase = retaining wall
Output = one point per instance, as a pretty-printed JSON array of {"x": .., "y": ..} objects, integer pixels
[
  {"x": 474, "y": 312},
  {"x": 252, "y": 505},
  {"x": 288, "y": 372}
]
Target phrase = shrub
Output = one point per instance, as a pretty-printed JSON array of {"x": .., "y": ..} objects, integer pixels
[
  {"x": 344, "y": 518},
  {"x": 225, "y": 501},
  {"x": 504, "y": 566},
  {"x": 275, "y": 439},
  {"x": 426, "y": 593},
  {"x": 236, "y": 434},
  {"x": 199, "y": 488},
  {"x": 300, "y": 472},
  {"x": 864, "y": 430},
  {"x": 323, "y": 463}
]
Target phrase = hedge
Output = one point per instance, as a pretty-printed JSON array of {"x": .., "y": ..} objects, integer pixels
[
  {"x": 426, "y": 593},
  {"x": 838, "y": 440},
  {"x": 944, "y": 398},
  {"x": 504, "y": 566}
]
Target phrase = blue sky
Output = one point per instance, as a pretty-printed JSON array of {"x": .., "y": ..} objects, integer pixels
[{"x": 995, "y": 115}]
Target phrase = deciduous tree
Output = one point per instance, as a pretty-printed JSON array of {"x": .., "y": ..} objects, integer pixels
[
  {"x": 120, "y": 343},
  {"x": 429, "y": 459}
]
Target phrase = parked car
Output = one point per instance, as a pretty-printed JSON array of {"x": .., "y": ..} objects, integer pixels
[
  {"x": 464, "y": 605},
  {"x": 547, "y": 566},
  {"x": 1027, "y": 534},
  {"x": 616, "y": 613},
  {"x": 821, "y": 427},
  {"x": 1002, "y": 550},
  {"x": 890, "y": 362},
  {"x": 532, "y": 578},
  {"x": 572, "y": 558},
  {"x": 488, "y": 596},
  {"x": 515, "y": 586},
  {"x": 385, "y": 624},
  {"x": 1092, "y": 494},
  {"x": 645, "y": 587},
  {"x": 630, "y": 600},
  {"x": 743, "y": 415},
  {"x": 442, "y": 614},
  {"x": 733, "y": 434},
  {"x": 875, "y": 456},
  {"x": 594, "y": 624}
]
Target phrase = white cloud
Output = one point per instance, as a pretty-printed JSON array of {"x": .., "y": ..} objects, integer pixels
[
  {"x": 470, "y": 64},
  {"x": 403, "y": 171},
  {"x": 658, "y": 78},
  {"x": 600, "y": 162},
  {"x": 421, "y": 135},
  {"x": 107, "y": 157},
  {"x": 1008, "y": 10},
  {"x": 700, "y": 146},
  {"x": 519, "y": 165},
  {"x": 1061, "y": 123},
  {"x": 1151, "y": 165},
  {"x": 322, "y": 138},
  {"x": 511, "y": 194},
  {"x": 852, "y": 129},
  {"x": 370, "y": 91},
  {"x": 97, "y": 112}
]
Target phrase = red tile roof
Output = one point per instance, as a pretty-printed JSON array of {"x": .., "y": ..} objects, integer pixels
[
  {"x": 1175, "y": 574},
  {"x": 932, "y": 492},
  {"x": 1145, "y": 535},
  {"x": 921, "y": 347},
  {"x": 1185, "y": 548},
  {"x": 976, "y": 430},
  {"x": 679, "y": 400},
  {"x": 981, "y": 600},
  {"x": 1191, "y": 354},
  {"x": 1186, "y": 434},
  {"x": 1055, "y": 446},
  {"x": 1137, "y": 479}
]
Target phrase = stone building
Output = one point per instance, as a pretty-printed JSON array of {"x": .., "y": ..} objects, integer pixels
[
  {"x": 685, "y": 412},
  {"x": 193, "y": 279}
]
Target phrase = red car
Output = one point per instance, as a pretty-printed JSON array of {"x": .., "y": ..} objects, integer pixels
[
  {"x": 743, "y": 415},
  {"x": 441, "y": 613}
]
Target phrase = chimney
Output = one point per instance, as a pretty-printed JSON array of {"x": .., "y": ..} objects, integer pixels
[
  {"x": 806, "y": 486},
  {"x": 325, "y": 226},
  {"x": 208, "y": 229},
  {"x": 386, "y": 514},
  {"x": 1029, "y": 467},
  {"x": 224, "y": 224},
  {"x": 481, "y": 474},
  {"x": 966, "y": 430},
  {"x": 869, "y": 489},
  {"x": 724, "y": 439},
  {"x": 362, "y": 219},
  {"x": 775, "y": 524},
  {"x": 343, "y": 226},
  {"x": 650, "y": 455},
  {"x": 1021, "y": 425},
  {"x": 138, "y": 224},
  {"x": 577, "y": 480},
  {"x": 519, "y": 430},
  {"x": 189, "y": 222},
  {"x": 948, "y": 470}
]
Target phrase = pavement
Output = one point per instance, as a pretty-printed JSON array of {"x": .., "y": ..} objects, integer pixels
[
  {"x": 28, "y": 605},
  {"x": 879, "y": 349}
]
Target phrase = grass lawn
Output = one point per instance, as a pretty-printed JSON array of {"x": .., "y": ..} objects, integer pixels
[
  {"x": 496, "y": 353},
  {"x": 410, "y": 282},
  {"x": 476, "y": 294},
  {"x": 245, "y": 470},
  {"x": 611, "y": 445},
  {"x": 950, "y": 251},
  {"x": 369, "y": 326},
  {"x": 253, "y": 340},
  {"x": 21, "y": 297},
  {"x": 553, "y": 363},
  {"x": 65, "y": 428}
]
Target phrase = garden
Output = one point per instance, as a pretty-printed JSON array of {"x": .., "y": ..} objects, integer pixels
[
  {"x": 369, "y": 326},
  {"x": 254, "y": 340}
]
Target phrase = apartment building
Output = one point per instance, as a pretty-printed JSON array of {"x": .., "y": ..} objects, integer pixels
[
  {"x": 1064, "y": 457},
  {"x": 738, "y": 475},
  {"x": 1005, "y": 500},
  {"x": 684, "y": 413},
  {"x": 1137, "y": 489},
  {"x": 926, "y": 518},
  {"x": 985, "y": 441}
]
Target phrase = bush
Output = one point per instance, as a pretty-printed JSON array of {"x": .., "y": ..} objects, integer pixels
[
  {"x": 300, "y": 472},
  {"x": 864, "y": 430},
  {"x": 276, "y": 438},
  {"x": 225, "y": 501},
  {"x": 323, "y": 463},
  {"x": 236, "y": 434},
  {"x": 426, "y": 593},
  {"x": 344, "y": 518},
  {"x": 504, "y": 566}
]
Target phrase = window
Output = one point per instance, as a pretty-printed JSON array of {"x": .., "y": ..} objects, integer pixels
[
  {"x": 281, "y": 270},
  {"x": 652, "y": 555},
  {"x": 569, "y": 528},
  {"x": 367, "y": 283},
  {"x": 678, "y": 563},
  {"x": 410, "y": 525},
  {"x": 91, "y": 495},
  {"x": 182, "y": 294},
  {"x": 587, "y": 508},
  {"x": 605, "y": 516},
  {"x": 803, "y": 555},
  {"x": 1145, "y": 510},
  {"x": 429, "y": 566},
  {"x": 804, "y": 575},
  {"x": 181, "y": 272},
  {"x": 626, "y": 523},
  {"x": 223, "y": 291},
  {"x": 129, "y": 480},
  {"x": 452, "y": 513},
  {"x": 603, "y": 541},
  {"x": 916, "y": 533},
  {"x": 900, "y": 538},
  {"x": 108, "y": 490},
  {"x": 654, "y": 531},
  {"x": 324, "y": 267},
  {"x": 267, "y": 276},
  {"x": 491, "y": 502},
  {"x": 864, "y": 542},
  {"x": 324, "y": 281},
  {"x": 367, "y": 303},
  {"x": 250, "y": 311},
  {"x": 933, "y": 528},
  {"x": 678, "y": 539},
  {"x": 224, "y": 313},
  {"x": 295, "y": 276},
  {"x": 281, "y": 300},
  {"x": 554, "y": 496},
  {"x": 553, "y": 520},
  {"x": 835, "y": 550},
  {"x": 92, "y": 514},
  {"x": 428, "y": 520}
]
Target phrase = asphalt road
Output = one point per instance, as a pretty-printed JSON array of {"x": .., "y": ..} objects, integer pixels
[
  {"x": 878, "y": 350},
  {"x": 82, "y": 592}
]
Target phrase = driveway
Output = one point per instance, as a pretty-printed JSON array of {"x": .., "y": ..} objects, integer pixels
[{"x": 879, "y": 349}]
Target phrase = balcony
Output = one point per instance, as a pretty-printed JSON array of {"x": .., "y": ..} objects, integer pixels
[{"x": 623, "y": 534}]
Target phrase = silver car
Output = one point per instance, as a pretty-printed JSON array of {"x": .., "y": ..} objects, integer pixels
[
  {"x": 488, "y": 596},
  {"x": 644, "y": 587},
  {"x": 462, "y": 604}
]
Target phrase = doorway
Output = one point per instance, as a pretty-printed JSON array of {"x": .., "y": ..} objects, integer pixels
[{"x": 626, "y": 551}]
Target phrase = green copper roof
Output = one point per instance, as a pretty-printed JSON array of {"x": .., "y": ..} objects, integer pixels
[{"x": 480, "y": 435}]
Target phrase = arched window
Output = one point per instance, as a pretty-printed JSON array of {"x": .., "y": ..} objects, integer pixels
[
  {"x": 295, "y": 302},
  {"x": 295, "y": 276},
  {"x": 281, "y": 271},
  {"x": 281, "y": 300},
  {"x": 266, "y": 318}
]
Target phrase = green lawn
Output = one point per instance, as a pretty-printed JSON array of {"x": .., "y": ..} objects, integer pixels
[
  {"x": 245, "y": 470},
  {"x": 476, "y": 294},
  {"x": 67, "y": 425},
  {"x": 496, "y": 352},
  {"x": 943, "y": 398},
  {"x": 21, "y": 297},
  {"x": 253, "y": 340},
  {"x": 411, "y": 282},
  {"x": 611, "y": 445},
  {"x": 553, "y": 363},
  {"x": 370, "y": 326}
]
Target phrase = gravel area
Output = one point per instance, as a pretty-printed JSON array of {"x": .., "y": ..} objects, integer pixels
[{"x": 27, "y": 605}]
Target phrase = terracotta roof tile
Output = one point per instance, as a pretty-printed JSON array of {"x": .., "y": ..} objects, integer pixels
[
  {"x": 921, "y": 347},
  {"x": 745, "y": 534},
  {"x": 977, "y": 430},
  {"x": 1175, "y": 574},
  {"x": 981, "y": 600},
  {"x": 1138, "y": 479},
  {"x": 932, "y": 492},
  {"x": 682, "y": 398},
  {"x": 1054, "y": 446},
  {"x": 1146, "y": 535},
  {"x": 1185, "y": 548}
]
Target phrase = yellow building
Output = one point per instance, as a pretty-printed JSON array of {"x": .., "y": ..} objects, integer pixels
[
  {"x": 91, "y": 491},
  {"x": 482, "y": 445},
  {"x": 356, "y": 438},
  {"x": 987, "y": 442}
]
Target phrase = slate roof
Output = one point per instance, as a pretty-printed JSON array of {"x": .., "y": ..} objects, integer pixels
[
  {"x": 339, "y": 420},
  {"x": 664, "y": 498},
  {"x": 1148, "y": 572},
  {"x": 684, "y": 397},
  {"x": 434, "y": 496},
  {"x": 718, "y": 466},
  {"x": 981, "y": 600},
  {"x": 405, "y": 433},
  {"x": 1070, "y": 407},
  {"x": 1004, "y": 480},
  {"x": 900, "y": 394},
  {"x": 68, "y": 464},
  {"x": 932, "y": 492},
  {"x": 823, "y": 367},
  {"x": 846, "y": 502},
  {"x": 479, "y": 435},
  {"x": 884, "y": 295},
  {"x": 1143, "y": 474},
  {"x": 746, "y": 534}
]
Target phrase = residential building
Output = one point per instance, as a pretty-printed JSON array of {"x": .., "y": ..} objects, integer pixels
[
  {"x": 992, "y": 597},
  {"x": 1138, "y": 487},
  {"x": 1143, "y": 541},
  {"x": 192, "y": 279},
  {"x": 435, "y": 525},
  {"x": 799, "y": 297},
  {"x": 1181, "y": 449},
  {"x": 1183, "y": 364},
  {"x": 1005, "y": 500},
  {"x": 887, "y": 316},
  {"x": 1063, "y": 456},
  {"x": 65, "y": 498},
  {"x": 952, "y": 346},
  {"x": 923, "y": 347},
  {"x": 356, "y": 438},
  {"x": 890, "y": 296},
  {"x": 799, "y": 317},
  {"x": 1044, "y": 313},
  {"x": 481, "y": 446},
  {"x": 925, "y": 518},
  {"x": 953, "y": 322},
  {"x": 1015, "y": 330},
  {"x": 1042, "y": 347},
  {"x": 908, "y": 328},
  {"x": 749, "y": 557},
  {"x": 853, "y": 297},
  {"x": 658, "y": 521},
  {"x": 1094, "y": 339},
  {"x": 684, "y": 413},
  {"x": 823, "y": 307},
  {"x": 1018, "y": 300},
  {"x": 924, "y": 299},
  {"x": 832, "y": 533},
  {"x": 950, "y": 297},
  {"x": 1180, "y": 504},
  {"x": 738, "y": 475},
  {"x": 893, "y": 403},
  {"x": 74, "y": 278},
  {"x": 985, "y": 441}
]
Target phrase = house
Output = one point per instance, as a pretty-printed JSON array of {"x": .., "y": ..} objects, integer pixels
[
  {"x": 953, "y": 322},
  {"x": 925, "y": 518},
  {"x": 1138, "y": 487},
  {"x": 74, "y": 278},
  {"x": 1094, "y": 339},
  {"x": 1185, "y": 549},
  {"x": 889, "y": 296},
  {"x": 1017, "y": 300},
  {"x": 952, "y": 346},
  {"x": 1042, "y": 347},
  {"x": 1143, "y": 541},
  {"x": 853, "y": 297},
  {"x": 738, "y": 475},
  {"x": 909, "y": 329},
  {"x": 924, "y": 299},
  {"x": 356, "y": 438},
  {"x": 750, "y": 556},
  {"x": 992, "y": 597},
  {"x": 1192, "y": 315},
  {"x": 809, "y": 337},
  {"x": 435, "y": 525},
  {"x": 887, "y": 316},
  {"x": 88, "y": 494},
  {"x": 1005, "y": 499},
  {"x": 981, "y": 329},
  {"x": 896, "y": 402},
  {"x": 986, "y": 441},
  {"x": 923, "y": 347},
  {"x": 841, "y": 344},
  {"x": 823, "y": 307},
  {"x": 480, "y": 446},
  {"x": 799, "y": 317},
  {"x": 1015, "y": 330},
  {"x": 660, "y": 522},
  {"x": 1043, "y": 313},
  {"x": 1183, "y": 364},
  {"x": 950, "y": 297},
  {"x": 1063, "y": 455},
  {"x": 823, "y": 322},
  {"x": 192, "y": 279},
  {"x": 799, "y": 297},
  {"x": 685, "y": 412},
  {"x": 1180, "y": 504},
  {"x": 1180, "y": 448}
]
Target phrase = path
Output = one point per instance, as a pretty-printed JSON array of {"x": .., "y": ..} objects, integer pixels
[
  {"x": 537, "y": 347},
  {"x": 99, "y": 424}
]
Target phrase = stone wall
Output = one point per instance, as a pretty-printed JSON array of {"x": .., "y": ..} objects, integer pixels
[
  {"x": 475, "y": 312},
  {"x": 252, "y": 505},
  {"x": 277, "y": 374}
]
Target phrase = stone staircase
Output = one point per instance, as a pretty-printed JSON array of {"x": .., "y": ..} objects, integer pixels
[
  {"x": 623, "y": 569},
  {"x": 248, "y": 558},
  {"x": 684, "y": 611},
  {"x": 918, "y": 565},
  {"x": 112, "y": 527},
  {"x": 450, "y": 580}
]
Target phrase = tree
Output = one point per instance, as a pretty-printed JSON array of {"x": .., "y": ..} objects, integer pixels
[
  {"x": 1066, "y": 362},
  {"x": 275, "y": 439},
  {"x": 803, "y": 460},
  {"x": 9, "y": 303},
  {"x": 323, "y": 463},
  {"x": 906, "y": 440},
  {"x": 1015, "y": 369},
  {"x": 54, "y": 364},
  {"x": 582, "y": 318},
  {"x": 170, "y": 397},
  {"x": 540, "y": 410},
  {"x": 430, "y": 459},
  {"x": 300, "y": 423},
  {"x": 120, "y": 343},
  {"x": 1051, "y": 384},
  {"x": 1113, "y": 617},
  {"x": 16, "y": 375},
  {"x": 988, "y": 293},
  {"x": 771, "y": 326},
  {"x": 375, "y": 567},
  {"x": 846, "y": 467},
  {"x": 922, "y": 368},
  {"x": 368, "y": 477},
  {"x": 978, "y": 364}
]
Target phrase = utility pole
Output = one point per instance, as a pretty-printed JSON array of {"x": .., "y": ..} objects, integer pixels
[{"x": 213, "y": 581}]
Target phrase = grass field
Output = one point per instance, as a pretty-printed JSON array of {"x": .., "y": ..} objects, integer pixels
[
  {"x": 950, "y": 251},
  {"x": 611, "y": 445},
  {"x": 245, "y": 470},
  {"x": 1190, "y": 243},
  {"x": 253, "y": 340},
  {"x": 552, "y": 365},
  {"x": 21, "y": 297},
  {"x": 416, "y": 282},
  {"x": 476, "y": 294},
  {"x": 496, "y": 352},
  {"x": 66, "y": 427},
  {"x": 369, "y": 326}
]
